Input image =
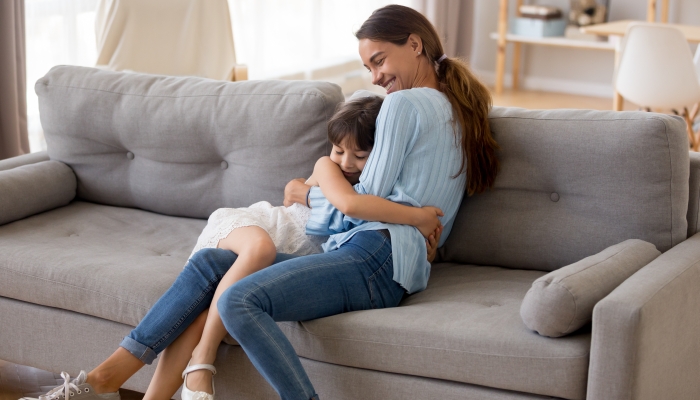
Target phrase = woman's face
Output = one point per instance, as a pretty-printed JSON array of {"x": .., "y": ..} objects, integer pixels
[
  {"x": 393, "y": 67},
  {"x": 350, "y": 160}
]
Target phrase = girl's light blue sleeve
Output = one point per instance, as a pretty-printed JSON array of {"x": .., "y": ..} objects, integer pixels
[{"x": 396, "y": 132}]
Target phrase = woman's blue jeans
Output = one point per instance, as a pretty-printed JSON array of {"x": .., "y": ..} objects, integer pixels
[{"x": 357, "y": 276}]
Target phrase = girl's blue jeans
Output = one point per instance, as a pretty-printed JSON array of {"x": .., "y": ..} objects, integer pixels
[{"x": 357, "y": 276}]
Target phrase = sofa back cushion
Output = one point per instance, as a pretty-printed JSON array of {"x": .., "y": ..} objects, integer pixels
[
  {"x": 572, "y": 183},
  {"x": 183, "y": 146}
]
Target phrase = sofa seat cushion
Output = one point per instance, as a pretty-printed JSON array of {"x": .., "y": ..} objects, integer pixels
[
  {"x": 464, "y": 327},
  {"x": 109, "y": 262}
]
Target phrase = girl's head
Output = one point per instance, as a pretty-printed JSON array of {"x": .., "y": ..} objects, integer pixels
[
  {"x": 351, "y": 131},
  {"x": 402, "y": 50}
]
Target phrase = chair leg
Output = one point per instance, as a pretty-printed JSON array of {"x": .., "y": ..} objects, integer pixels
[
  {"x": 694, "y": 143},
  {"x": 691, "y": 120}
]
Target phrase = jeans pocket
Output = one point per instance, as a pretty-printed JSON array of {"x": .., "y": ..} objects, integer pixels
[{"x": 384, "y": 291}]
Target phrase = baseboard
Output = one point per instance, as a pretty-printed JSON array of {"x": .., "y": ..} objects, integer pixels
[{"x": 568, "y": 86}]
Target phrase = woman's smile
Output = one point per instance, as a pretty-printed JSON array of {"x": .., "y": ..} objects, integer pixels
[{"x": 389, "y": 85}]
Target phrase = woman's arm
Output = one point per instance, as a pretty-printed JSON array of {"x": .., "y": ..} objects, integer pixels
[
  {"x": 341, "y": 194},
  {"x": 397, "y": 129}
]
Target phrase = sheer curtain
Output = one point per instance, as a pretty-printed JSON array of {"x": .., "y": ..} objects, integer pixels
[
  {"x": 292, "y": 39},
  {"x": 57, "y": 32}
]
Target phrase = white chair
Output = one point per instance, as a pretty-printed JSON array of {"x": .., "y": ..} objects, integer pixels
[
  {"x": 169, "y": 37},
  {"x": 696, "y": 60},
  {"x": 656, "y": 70}
]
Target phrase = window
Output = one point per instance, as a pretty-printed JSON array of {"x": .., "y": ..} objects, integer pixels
[
  {"x": 283, "y": 38},
  {"x": 57, "y": 32}
]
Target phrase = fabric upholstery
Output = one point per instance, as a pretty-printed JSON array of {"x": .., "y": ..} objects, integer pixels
[
  {"x": 83, "y": 341},
  {"x": 31, "y": 158},
  {"x": 562, "y": 301},
  {"x": 33, "y": 188},
  {"x": 645, "y": 333},
  {"x": 183, "y": 146},
  {"x": 694, "y": 194},
  {"x": 464, "y": 327},
  {"x": 109, "y": 262},
  {"x": 57, "y": 340},
  {"x": 572, "y": 183}
]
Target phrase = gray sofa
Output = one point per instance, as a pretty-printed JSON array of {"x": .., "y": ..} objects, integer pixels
[{"x": 90, "y": 240}]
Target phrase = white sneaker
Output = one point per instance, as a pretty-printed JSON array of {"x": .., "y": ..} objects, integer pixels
[
  {"x": 187, "y": 394},
  {"x": 77, "y": 389}
]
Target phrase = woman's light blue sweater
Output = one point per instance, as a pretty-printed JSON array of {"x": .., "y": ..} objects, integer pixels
[{"x": 413, "y": 162}]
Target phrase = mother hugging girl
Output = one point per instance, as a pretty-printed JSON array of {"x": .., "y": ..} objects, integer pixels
[{"x": 432, "y": 144}]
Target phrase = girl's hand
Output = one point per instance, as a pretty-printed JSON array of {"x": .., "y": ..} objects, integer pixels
[
  {"x": 432, "y": 242},
  {"x": 428, "y": 220}
]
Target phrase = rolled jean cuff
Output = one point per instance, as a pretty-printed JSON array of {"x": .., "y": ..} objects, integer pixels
[{"x": 140, "y": 351}]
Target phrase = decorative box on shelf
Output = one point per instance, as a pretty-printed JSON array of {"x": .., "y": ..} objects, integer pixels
[{"x": 536, "y": 27}]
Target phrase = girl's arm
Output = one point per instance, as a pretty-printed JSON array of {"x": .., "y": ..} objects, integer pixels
[{"x": 341, "y": 194}]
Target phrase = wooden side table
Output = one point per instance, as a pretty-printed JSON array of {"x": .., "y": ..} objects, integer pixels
[{"x": 503, "y": 38}]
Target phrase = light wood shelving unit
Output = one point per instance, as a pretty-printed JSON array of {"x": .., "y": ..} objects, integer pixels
[{"x": 504, "y": 38}]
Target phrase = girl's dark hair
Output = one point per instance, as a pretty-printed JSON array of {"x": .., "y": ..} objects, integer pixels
[
  {"x": 470, "y": 99},
  {"x": 355, "y": 121}
]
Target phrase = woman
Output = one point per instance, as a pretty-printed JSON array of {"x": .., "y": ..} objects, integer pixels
[{"x": 432, "y": 145}]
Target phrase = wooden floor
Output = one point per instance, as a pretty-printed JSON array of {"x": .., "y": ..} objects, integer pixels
[
  {"x": 547, "y": 100},
  {"x": 17, "y": 381}
]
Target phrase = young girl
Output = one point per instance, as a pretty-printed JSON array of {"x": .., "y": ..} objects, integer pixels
[{"x": 257, "y": 233}]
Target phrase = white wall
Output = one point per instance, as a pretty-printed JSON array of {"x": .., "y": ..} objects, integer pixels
[{"x": 577, "y": 71}]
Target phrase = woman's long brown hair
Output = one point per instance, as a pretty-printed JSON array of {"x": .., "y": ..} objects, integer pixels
[{"x": 470, "y": 99}]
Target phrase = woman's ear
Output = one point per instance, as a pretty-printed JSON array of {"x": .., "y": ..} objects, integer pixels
[{"x": 416, "y": 43}]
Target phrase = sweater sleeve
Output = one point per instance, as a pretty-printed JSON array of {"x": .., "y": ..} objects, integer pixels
[{"x": 396, "y": 132}]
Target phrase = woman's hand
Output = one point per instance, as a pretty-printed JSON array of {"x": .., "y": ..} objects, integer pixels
[
  {"x": 432, "y": 242},
  {"x": 428, "y": 220},
  {"x": 295, "y": 192}
]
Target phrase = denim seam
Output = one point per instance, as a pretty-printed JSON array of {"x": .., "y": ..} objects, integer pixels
[
  {"x": 284, "y": 356},
  {"x": 187, "y": 312},
  {"x": 142, "y": 353},
  {"x": 371, "y": 279},
  {"x": 248, "y": 308}
]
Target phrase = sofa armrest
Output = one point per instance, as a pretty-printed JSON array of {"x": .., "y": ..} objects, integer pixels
[
  {"x": 646, "y": 333},
  {"x": 31, "y": 158},
  {"x": 34, "y": 188}
]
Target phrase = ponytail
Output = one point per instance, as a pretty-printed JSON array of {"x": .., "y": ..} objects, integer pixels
[
  {"x": 471, "y": 103},
  {"x": 470, "y": 99}
]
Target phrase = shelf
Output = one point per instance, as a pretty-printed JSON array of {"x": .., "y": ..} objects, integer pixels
[{"x": 557, "y": 42}]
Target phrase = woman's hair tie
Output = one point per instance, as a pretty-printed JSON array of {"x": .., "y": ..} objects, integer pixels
[{"x": 444, "y": 56}]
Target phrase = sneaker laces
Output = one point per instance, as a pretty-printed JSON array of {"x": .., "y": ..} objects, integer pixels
[{"x": 63, "y": 391}]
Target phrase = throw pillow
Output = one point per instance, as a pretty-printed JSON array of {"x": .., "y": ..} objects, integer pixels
[{"x": 562, "y": 301}]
